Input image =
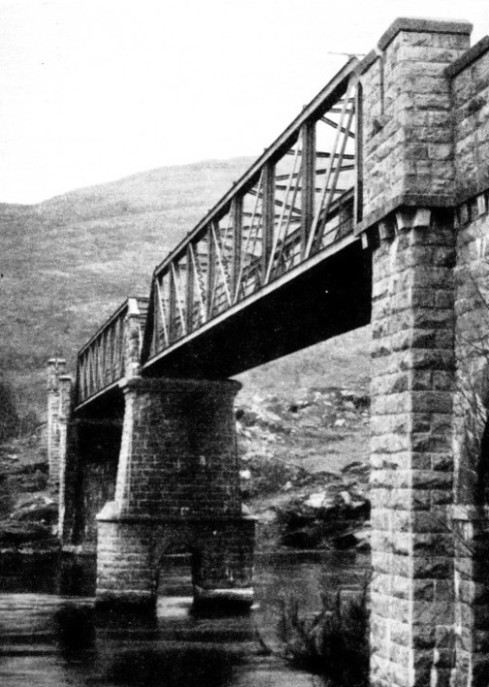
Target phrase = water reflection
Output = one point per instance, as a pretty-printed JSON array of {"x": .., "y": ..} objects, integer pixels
[
  {"x": 197, "y": 666},
  {"x": 60, "y": 641},
  {"x": 75, "y": 632}
]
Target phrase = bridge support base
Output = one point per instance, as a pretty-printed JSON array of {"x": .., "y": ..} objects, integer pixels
[
  {"x": 177, "y": 485},
  {"x": 130, "y": 550}
]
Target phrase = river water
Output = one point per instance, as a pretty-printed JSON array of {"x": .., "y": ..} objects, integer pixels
[{"x": 51, "y": 635}]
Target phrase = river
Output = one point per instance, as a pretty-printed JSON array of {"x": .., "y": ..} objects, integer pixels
[{"x": 50, "y": 634}]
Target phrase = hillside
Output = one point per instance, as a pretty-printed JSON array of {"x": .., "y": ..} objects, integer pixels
[{"x": 69, "y": 261}]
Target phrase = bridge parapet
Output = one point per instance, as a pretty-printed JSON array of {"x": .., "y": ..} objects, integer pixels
[{"x": 113, "y": 352}]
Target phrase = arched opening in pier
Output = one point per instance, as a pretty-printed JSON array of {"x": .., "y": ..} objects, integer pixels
[{"x": 174, "y": 578}]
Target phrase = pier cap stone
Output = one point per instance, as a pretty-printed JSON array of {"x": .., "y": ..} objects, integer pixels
[
  {"x": 460, "y": 26},
  {"x": 470, "y": 56},
  {"x": 57, "y": 362},
  {"x": 110, "y": 511}
]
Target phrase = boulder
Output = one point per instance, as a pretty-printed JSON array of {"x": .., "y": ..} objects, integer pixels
[{"x": 41, "y": 509}]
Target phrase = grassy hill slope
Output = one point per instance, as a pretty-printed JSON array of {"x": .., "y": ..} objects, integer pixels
[{"x": 68, "y": 262}]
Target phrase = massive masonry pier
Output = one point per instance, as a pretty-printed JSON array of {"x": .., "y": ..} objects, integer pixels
[{"x": 371, "y": 207}]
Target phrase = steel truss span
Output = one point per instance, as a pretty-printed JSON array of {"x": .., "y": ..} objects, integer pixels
[{"x": 294, "y": 209}]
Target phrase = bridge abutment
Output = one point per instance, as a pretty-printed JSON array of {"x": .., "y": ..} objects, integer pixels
[
  {"x": 411, "y": 451},
  {"x": 409, "y": 182},
  {"x": 177, "y": 483}
]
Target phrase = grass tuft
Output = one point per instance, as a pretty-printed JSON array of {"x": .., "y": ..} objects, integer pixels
[{"x": 332, "y": 643}]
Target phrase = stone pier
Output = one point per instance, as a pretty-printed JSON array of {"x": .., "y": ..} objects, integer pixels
[
  {"x": 177, "y": 484},
  {"x": 58, "y": 414},
  {"x": 409, "y": 225},
  {"x": 411, "y": 457}
]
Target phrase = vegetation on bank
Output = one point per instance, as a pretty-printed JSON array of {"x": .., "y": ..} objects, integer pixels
[
  {"x": 333, "y": 642},
  {"x": 9, "y": 419}
]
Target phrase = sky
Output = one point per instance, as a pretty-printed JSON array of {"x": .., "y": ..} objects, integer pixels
[{"x": 95, "y": 90}]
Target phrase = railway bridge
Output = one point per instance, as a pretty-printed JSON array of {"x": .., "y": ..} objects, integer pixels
[{"x": 371, "y": 207}]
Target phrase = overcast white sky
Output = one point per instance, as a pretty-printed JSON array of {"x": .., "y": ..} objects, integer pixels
[{"x": 93, "y": 90}]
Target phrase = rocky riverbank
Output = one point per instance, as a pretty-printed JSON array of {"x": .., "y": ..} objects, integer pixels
[
  {"x": 304, "y": 468},
  {"x": 304, "y": 475},
  {"x": 28, "y": 507}
]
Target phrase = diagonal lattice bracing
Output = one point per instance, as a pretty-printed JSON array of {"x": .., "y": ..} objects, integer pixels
[
  {"x": 299, "y": 198},
  {"x": 295, "y": 201},
  {"x": 102, "y": 361}
]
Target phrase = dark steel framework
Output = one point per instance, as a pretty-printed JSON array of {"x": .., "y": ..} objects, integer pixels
[
  {"x": 300, "y": 198},
  {"x": 102, "y": 360}
]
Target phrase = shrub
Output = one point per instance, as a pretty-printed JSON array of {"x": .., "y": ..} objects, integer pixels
[
  {"x": 9, "y": 419},
  {"x": 334, "y": 642},
  {"x": 29, "y": 423}
]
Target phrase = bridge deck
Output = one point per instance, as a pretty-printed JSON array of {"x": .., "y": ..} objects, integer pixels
[{"x": 273, "y": 267}]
